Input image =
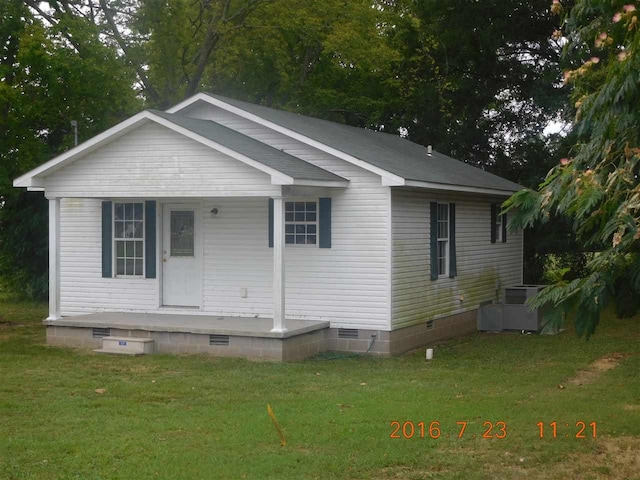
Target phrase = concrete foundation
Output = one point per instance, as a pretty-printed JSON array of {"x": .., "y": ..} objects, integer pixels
[{"x": 251, "y": 338}]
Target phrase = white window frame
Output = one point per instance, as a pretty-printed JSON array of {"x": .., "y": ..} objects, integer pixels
[
  {"x": 446, "y": 240},
  {"x": 115, "y": 240},
  {"x": 306, "y": 222},
  {"x": 498, "y": 224}
]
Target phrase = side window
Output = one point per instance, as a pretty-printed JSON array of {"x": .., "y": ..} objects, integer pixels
[
  {"x": 443, "y": 239},
  {"x": 128, "y": 238}
]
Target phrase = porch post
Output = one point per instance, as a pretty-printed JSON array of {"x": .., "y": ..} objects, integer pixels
[
  {"x": 278, "y": 266},
  {"x": 54, "y": 259}
]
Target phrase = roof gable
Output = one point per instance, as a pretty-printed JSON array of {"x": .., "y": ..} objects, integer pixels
[
  {"x": 283, "y": 168},
  {"x": 404, "y": 162}
]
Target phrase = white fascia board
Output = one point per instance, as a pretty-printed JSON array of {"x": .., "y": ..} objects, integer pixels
[
  {"x": 277, "y": 177},
  {"x": 459, "y": 188},
  {"x": 29, "y": 180},
  {"x": 322, "y": 183},
  {"x": 388, "y": 178}
]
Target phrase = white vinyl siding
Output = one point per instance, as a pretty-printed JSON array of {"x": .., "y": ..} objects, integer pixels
[
  {"x": 82, "y": 287},
  {"x": 153, "y": 161},
  {"x": 347, "y": 284},
  {"x": 483, "y": 268}
]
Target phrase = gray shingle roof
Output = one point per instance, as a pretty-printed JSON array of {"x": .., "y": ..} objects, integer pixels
[
  {"x": 388, "y": 152},
  {"x": 249, "y": 147}
]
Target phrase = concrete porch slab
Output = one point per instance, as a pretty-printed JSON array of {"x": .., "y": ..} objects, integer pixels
[{"x": 180, "y": 323}]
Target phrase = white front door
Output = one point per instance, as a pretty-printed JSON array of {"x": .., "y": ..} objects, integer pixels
[{"x": 181, "y": 255}]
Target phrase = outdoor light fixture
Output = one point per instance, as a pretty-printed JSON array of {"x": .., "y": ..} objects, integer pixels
[{"x": 214, "y": 211}]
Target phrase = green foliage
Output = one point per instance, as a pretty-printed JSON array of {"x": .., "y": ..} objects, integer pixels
[
  {"x": 51, "y": 75},
  {"x": 597, "y": 187}
]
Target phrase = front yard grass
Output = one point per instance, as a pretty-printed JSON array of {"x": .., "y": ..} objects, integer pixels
[{"x": 70, "y": 414}]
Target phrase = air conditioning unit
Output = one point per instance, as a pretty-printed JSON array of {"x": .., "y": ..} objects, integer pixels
[{"x": 516, "y": 314}]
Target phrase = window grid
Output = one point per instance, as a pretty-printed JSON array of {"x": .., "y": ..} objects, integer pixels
[
  {"x": 498, "y": 225},
  {"x": 128, "y": 237},
  {"x": 301, "y": 223},
  {"x": 443, "y": 239}
]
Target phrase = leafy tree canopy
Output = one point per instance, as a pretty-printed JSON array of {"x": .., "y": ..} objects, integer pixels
[
  {"x": 597, "y": 186},
  {"x": 49, "y": 76}
]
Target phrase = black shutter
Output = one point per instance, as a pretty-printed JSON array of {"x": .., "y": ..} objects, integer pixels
[
  {"x": 271, "y": 223},
  {"x": 150, "y": 239},
  {"x": 324, "y": 223},
  {"x": 453, "y": 268},
  {"x": 504, "y": 228},
  {"x": 494, "y": 220},
  {"x": 433, "y": 240},
  {"x": 107, "y": 239}
]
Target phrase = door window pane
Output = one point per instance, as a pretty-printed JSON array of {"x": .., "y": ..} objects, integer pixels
[{"x": 182, "y": 234}]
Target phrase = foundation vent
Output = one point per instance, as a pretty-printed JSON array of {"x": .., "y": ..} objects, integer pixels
[
  {"x": 101, "y": 332},
  {"x": 430, "y": 324},
  {"x": 219, "y": 340},
  {"x": 348, "y": 333}
]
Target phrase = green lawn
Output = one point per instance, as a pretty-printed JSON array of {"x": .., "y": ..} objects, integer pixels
[{"x": 194, "y": 417}]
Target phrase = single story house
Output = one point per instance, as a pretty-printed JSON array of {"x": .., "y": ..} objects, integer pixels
[{"x": 230, "y": 228}]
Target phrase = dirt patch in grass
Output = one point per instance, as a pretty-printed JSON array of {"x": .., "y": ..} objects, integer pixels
[{"x": 597, "y": 368}]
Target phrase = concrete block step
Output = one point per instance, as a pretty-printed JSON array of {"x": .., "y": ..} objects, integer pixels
[{"x": 126, "y": 345}]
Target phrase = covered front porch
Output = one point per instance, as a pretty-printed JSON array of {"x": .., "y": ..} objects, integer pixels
[{"x": 246, "y": 337}]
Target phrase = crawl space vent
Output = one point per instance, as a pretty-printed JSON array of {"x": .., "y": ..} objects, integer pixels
[
  {"x": 348, "y": 333},
  {"x": 430, "y": 324},
  {"x": 101, "y": 332},
  {"x": 220, "y": 340}
]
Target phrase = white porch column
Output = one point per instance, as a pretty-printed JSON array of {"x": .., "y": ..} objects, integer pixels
[
  {"x": 278, "y": 266},
  {"x": 54, "y": 259}
]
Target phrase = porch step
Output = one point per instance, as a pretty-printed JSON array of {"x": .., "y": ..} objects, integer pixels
[{"x": 126, "y": 345}]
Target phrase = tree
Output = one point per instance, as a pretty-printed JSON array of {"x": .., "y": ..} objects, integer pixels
[
  {"x": 50, "y": 76},
  {"x": 597, "y": 186}
]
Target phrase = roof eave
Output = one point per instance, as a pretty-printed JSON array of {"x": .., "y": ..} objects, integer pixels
[{"x": 460, "y": 188}]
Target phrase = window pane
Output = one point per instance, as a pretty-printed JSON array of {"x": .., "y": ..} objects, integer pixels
[
  {"x": 119, "y": 230},
  {"x": 299, "y": 206},
  {"x": 119, "y": 211},
  {"x": 128, "y": 229},
  {"x": 311, "y": 206},
  {"x": 288, "y": 217},
  {"x": 138, "y": 266},
  {"x": 137, "y": 211},
  {"x": 182, "y": 238},
  {"x": 311, "y": 217},
  {"x": 138, "y": 229},
  {"x": 289, "y": 238},
  {"x": 289, "y": 228},
  {"x": 120, "y": 267},
  {"x": 301, "y": 229},
  {"x": 129, "y": 249},
  {"x": 128, "y": 267},
  {"x": 128, "y": 211},
  {"x": 288, "y": 206},
  {"x": 443, "y": 211},
  {"x": 300, "y": 239},
  {"x": 120, "y": 249},
  {"x": 311, "y": 229},
  {"x": 139, "y": 250},
  {"x": 311, "y": 239},
  {"x": 299, "y": 217}
]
